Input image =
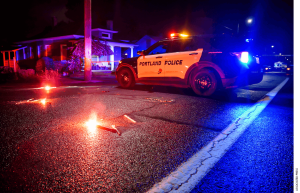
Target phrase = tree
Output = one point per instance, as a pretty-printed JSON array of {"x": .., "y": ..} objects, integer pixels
[{"x": 77, "y": 55}]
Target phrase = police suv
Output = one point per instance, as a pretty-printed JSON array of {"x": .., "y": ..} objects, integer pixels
[{"x": 196, "y": 62}]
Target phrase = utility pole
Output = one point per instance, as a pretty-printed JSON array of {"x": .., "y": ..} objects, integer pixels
[{"x": 87, "y": 41}]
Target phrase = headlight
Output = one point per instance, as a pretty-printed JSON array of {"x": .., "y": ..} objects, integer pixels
[{"x": 120, "y": 61}]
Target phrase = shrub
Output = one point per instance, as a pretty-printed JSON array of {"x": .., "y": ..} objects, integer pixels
[
  {"x": 24, "y": 74},
  {"x": 44, "y": 63},
  {"x": 49, "y": 75},
  {"x": 30, "y": 76},
  {"x": 27, "y": 63},
  {"x": 27, "y": 75},
  {"x": 60, "y": 66},
  {"x": 98, "y": 49},
  {"x": 6, "y": 70},
  {"x": 6, "y": 73}
]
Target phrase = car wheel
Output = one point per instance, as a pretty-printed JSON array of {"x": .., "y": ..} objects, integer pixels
[
  {"x": 126, "y": 78},
  {"x": 204, "y": 82}
]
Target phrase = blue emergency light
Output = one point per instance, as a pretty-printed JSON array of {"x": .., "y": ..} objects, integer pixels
[{"x": 245, "y": 57}]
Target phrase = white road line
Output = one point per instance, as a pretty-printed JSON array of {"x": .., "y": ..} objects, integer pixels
[{"x": 190, "y": 173}]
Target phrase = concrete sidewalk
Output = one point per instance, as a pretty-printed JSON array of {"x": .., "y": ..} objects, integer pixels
[
  {"x": 102, "y": 77},
  {"x": 97, "y": 77}
]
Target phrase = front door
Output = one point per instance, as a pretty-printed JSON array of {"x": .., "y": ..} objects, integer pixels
[{"x": 152, "y": 64}]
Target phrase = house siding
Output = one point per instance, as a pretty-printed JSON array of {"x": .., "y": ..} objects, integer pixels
[{"x": 38, "y": 49}]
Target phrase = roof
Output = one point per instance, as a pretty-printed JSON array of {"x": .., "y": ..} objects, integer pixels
[
  {"x": 53, "y": 38},
  {"x": 105, "y": 30},
  {"x": 62, "y": 31},
  {"x": 11, "y": 48}
]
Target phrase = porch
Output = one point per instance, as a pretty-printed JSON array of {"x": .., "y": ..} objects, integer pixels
[{"x": 10, "y": 58}]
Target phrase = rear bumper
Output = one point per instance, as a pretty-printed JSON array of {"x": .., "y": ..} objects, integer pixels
[{"x": 242, "y": 80}]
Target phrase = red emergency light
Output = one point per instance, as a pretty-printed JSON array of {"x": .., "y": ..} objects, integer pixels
[{"x": 177, "y": 35}]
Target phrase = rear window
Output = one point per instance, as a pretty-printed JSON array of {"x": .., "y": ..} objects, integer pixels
[
  {"x": 222, "y": 43},
  {"x": 207, "y": 42}
]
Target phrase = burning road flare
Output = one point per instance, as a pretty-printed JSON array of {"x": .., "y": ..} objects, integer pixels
[{"x": 92, "y": 124}]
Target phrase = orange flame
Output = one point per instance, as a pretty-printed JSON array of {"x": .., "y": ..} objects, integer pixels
[{"x": 92, "y": 123}]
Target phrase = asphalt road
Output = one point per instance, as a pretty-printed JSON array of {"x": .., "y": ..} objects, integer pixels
[
  {"x": 46, "y": 145},
  {"x": 262, "y": 159}
]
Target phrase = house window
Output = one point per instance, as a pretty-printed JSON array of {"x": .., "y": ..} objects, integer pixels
[
  {"x": 63, "y": 52},
  {"x": 24, "y": 54},
  {"x": 6, "y": 55},
  {"x": 105, "y": 35},
  {"x": 48, "y": 50},
  {"x": 30, "y": 53},
  {"x": 39, "y": 51},
  {"x": 95, "y": 58}
]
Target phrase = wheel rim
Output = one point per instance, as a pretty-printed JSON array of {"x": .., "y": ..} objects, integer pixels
[
  {"x": 125, "y": 78},
  {"x": 203, "y": 83}
]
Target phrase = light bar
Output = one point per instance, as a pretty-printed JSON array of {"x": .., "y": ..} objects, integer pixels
[
  {"x": 183, "y": 35},
  {"x": 176, "y": 35}
]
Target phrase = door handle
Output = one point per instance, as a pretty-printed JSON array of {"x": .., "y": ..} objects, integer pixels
[
  {"x": 193, "y": 53},
  {"x": 159, "y": 57}
]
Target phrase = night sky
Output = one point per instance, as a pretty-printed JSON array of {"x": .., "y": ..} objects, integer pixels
[{"x": 273, "y": 20}]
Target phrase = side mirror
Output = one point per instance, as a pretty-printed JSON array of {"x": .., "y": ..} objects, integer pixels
[{"x": 141, "y": 53}]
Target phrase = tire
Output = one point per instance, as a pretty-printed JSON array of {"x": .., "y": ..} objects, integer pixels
[
  {"x": 126, "y": 78},
  {"x": 204, "y": 82}
]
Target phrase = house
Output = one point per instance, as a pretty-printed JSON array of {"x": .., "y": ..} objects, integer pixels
[
  {"x": 9, "y": 56},
  {"x": 29, "y": 52}
]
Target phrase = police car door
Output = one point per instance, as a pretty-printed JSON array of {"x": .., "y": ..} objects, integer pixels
[
  {"x": 178, "y": 61},
  {"x": 151, "y": 65}
]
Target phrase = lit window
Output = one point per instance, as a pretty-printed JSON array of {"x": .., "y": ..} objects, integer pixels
[
  {"x": 24, "y": 54},
  {"x": 39, "y": 51},
  {"x": 48, "y": 50},
  {"x": 63, "y": 52},
  {"x": 30, "y": 53}
]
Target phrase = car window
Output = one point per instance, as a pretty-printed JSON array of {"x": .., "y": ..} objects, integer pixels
[
  {"x": 161, "y": 49},
  {"x": 190, "y": 46},
  {"x": 184, "y": 45},
  {"x": 175, "y": 46}
]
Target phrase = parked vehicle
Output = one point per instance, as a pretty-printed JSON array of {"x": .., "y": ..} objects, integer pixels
[
  {"x": 268, "y": 68},
  {"x": 280, "y": 66},
  {"x": 290, "y": 69},
  {"x": 194, "y": 62}
]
